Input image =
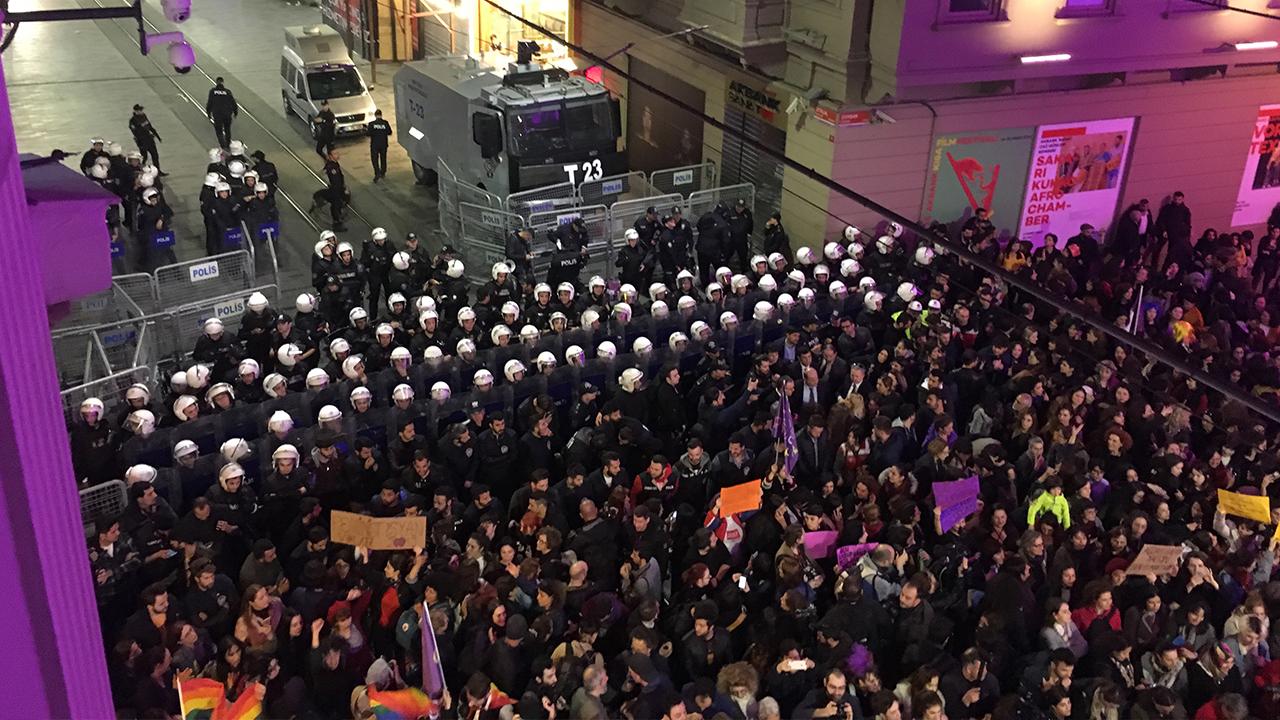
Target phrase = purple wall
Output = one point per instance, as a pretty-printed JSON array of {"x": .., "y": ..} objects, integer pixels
[
  {"x": 1139, "y": 36},
  {"x": 52, "y": 649}
]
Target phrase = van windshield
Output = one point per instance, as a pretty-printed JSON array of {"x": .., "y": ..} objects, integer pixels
[{"x": 334, "y": 82}]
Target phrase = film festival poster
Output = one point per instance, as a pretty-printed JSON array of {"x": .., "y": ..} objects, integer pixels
[
  {"x": 980, "y": 169},
  {"x": 1077, "y": 172}
]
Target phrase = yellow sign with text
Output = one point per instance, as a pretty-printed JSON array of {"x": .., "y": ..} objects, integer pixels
[{"x": 1252, "y": 507}]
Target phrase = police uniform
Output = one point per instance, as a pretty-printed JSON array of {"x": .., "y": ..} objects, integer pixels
[
  {"x": 221, "y": 107},
  {"x": 325, "y": 126},
  {"x": 379, "y": 134},
  {"x": 337, "y": 192},
  {"x": 144, "y": 135},
  {"x": 376, "y": 259}
]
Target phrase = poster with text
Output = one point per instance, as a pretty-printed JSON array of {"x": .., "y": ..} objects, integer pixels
[
  {"x": 1075, "y": 178},
  {"x": 981, "y": 169},
  {"x": 659, "y": 134},
  {"x": 1260, "y": 185}
]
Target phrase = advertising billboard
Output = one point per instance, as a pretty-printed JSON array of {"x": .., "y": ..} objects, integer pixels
[
  {"x": 1076, "y": 174},
  {"x": 659, "y": 134},
  {"x": 1260, "y": 185},
  {"x": 980, "y": 169}
]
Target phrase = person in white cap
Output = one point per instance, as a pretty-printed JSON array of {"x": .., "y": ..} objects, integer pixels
[
  {"x": 256, "y": 325},
  {"x": 247, "y": 389},
  {"x": 93, "y": 444},
  {"x": 376, "y": 261}
]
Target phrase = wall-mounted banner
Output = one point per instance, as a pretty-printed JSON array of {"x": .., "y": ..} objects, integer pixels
[
  {"x": 1260, "y": 186},
  {"x": 1076, "y": 174},
  {"x": 980, "y": 169}
]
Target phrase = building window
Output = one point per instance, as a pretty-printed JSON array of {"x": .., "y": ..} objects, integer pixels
[
  {"x": 970, "y": 10},
  {"x": 1079, "y": 8},
  {"x": 1181, "y": 6}
]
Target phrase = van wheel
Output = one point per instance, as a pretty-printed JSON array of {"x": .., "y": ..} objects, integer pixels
[
  {"x": 424, "y": 175},
  {"x": 288, "y": 109}
]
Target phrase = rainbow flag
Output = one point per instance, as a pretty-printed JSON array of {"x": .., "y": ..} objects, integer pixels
[
  {"x": 497, "y": 699},
  {"x": 200, "y": 698},
  {"x": 408, "y": 704},
  {"x": 246, "y": 707}
]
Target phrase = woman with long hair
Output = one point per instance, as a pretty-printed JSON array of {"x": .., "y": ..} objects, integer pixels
[
  {"x": 260, "y": 614},
  {"x": 1060, "y": 630}
]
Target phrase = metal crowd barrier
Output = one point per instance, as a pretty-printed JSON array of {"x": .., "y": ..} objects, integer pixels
[
  {"x": 684, "y": 180},
  {"x": 193, "y": 280},
  {"x": 599, "y": 249},
  {"x": 616, "y": 188},
  {"x": 102, "y": 501},
  {"x": 543, "y": 199},
  {"x": 186, "y": 323},
  {"x": 84, "y": 354},
  {"x": 109, "y": 389}
]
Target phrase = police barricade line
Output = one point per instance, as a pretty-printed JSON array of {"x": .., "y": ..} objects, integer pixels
[
  {"x": 107, "y": 306},
  {"x": 542, "y": 200},
  {"x": 545, "y": 224},
  {"x": 100, "y": 502},
  {"x": 140, "y": 289},
  {"x": 483, "y": 238},
  {"x": 192, "y": 281},
  {"x": 247, "y": 243},
  {"x": 188, "y": 321},
  {"x": 623, "y": 214},
  {"x": 704, "y": 201},
  {"x": 74, "y": 359},
  {"x": 684, "y": 180},
  {"x": 109, "y": 389},
  {"x": 86, "y": 352},
  {"x": 615, "y": 188}
]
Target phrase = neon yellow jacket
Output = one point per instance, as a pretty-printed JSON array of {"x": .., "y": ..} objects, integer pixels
[{"x": 1048, "y": 502}]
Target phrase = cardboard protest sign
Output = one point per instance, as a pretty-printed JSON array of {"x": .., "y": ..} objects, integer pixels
[
  {"x": 740, "y": 498},
  {"x": 396, "y": 533},
  {"x": 957, "y": 500},
  {"x": 1251, "y": 507},
  {"x": 819, "y": 543},
  {"x": 1156, "y": 560}
]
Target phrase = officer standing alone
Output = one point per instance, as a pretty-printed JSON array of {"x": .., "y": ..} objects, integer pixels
[
  {"x": 337, "y": 189},
  {"x": 379, "y": 134},
  {"x": 221, "y": 108},
  {"x": 145, "y": 136},
  {"x": 325, "y": 127}
]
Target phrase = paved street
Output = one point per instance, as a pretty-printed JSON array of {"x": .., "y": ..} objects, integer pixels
[{"x": 74, "y": 80}]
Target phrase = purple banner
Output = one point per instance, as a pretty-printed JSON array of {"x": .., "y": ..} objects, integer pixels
[
  {"x": 432, "y": 673},
  {"x": 958, "y": 500}
]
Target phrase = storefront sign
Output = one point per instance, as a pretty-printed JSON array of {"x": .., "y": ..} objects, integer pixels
[
  {"x": 760, "y": 102},
  {"x": 1076, "y": 172},
  {"x": 844, "y": 118},
  {"x": 1260, "y": 186},
  {"x": 981, "y": 169}
]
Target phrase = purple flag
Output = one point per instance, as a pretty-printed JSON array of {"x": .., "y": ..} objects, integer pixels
[
  {"x": 818, "y": 544},
  {"x": 958, "y": 500},
  {"x": 432, "y": 673},
  {"x": 785, "y": 428}
]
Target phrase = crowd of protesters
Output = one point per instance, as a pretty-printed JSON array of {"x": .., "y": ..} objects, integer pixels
[{"x": 568, "y": 446}]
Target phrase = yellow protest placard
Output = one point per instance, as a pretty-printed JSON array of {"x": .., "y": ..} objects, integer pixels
[{"x": 1251, "y": 507}]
